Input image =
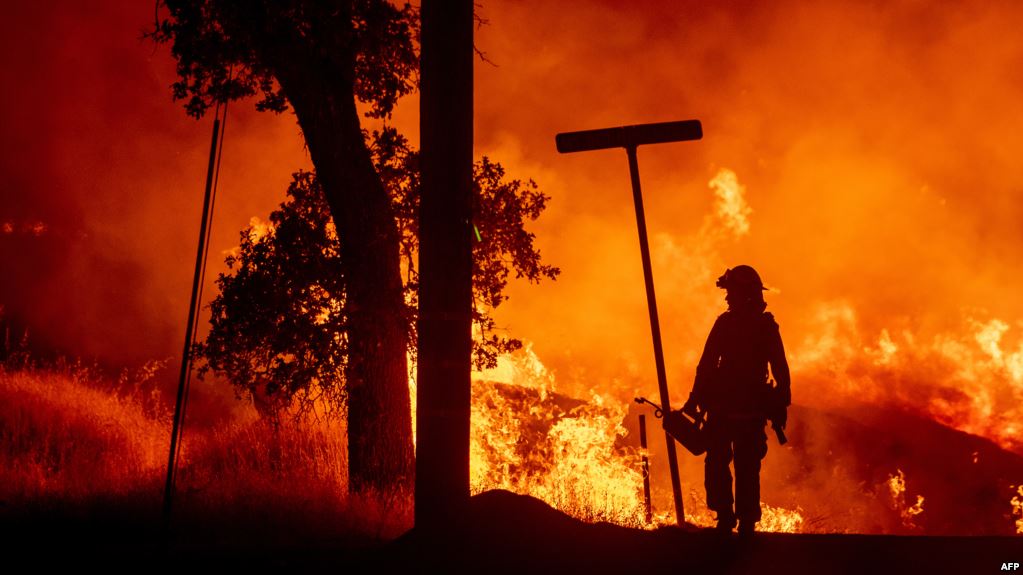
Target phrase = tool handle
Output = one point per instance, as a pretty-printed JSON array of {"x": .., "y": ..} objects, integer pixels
[{"x": 658, "y": 413}]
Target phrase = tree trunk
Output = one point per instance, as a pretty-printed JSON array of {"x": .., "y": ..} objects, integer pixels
[
  {"x": 445, "y": 266},
  {"x": 380, "y": 452}
]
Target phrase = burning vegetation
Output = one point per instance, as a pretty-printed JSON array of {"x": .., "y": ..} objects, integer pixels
[
  {"x": 889, "y": 273},
  {"x": 908, "y": 513},
  {"x": 870, "y": 405},
  {"x": 529, "y": 439},
  {"x": 1017, "y": 509},
  {"x": 78, "y": 447},
  {"x": 73, "y": 442}
]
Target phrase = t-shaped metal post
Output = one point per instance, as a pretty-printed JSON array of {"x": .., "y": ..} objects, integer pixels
[{"x": 629, "y": 137}]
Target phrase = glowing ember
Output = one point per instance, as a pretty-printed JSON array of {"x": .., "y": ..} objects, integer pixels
[{"x": 32, "y": 227}]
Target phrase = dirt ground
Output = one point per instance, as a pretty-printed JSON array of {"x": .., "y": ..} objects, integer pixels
[{"x": 508, "y": 533}]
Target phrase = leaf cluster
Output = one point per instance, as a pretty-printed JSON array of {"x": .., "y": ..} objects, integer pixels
[
  {"x": 231, "y": 49},
  {"x": 278, "y": 325},
  {"x": 501, "y": 209}
]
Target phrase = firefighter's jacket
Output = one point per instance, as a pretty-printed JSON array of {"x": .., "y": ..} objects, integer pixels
[{"x": 732, "y": 376}]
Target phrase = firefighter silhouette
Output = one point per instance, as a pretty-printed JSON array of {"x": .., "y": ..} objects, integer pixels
[{"x": 733, "y": 393}]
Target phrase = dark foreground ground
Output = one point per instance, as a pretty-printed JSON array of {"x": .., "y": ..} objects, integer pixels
[{"x": 510, "y": 533}]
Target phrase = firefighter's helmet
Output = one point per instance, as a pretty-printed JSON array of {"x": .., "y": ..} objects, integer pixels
[{"x": 741, "y": 277}]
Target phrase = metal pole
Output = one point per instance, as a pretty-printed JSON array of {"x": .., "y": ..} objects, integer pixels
[
  {"x": 629, "y": 137},
  {"x": 186, "y": 356},
  {"x": 646, "y": 467},
  {"x": 655, "y": 329}
]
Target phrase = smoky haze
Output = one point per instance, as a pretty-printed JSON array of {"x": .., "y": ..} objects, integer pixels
[
  {"x": 97, "y": 153},
  {"x": 872, "y": 149},
  {"x": 878, "y": 147}
]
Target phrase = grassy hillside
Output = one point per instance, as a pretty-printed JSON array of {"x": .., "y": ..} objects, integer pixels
[
  {"x": 76, "y": 449},
  {"x": 87, "y": 453}
]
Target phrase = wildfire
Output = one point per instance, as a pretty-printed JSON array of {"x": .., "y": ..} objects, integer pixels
[
  {"x": 528, "y": 438},
  {"x": 773, "y": 519},
  {"x": 968, "y": 379},
  {"x": 886, "y": 348},
  {"x": 731, "y": 206},
  {"x": 60, "y": 430},
  {"x": 258, "y": 228},
  {"x": 897, "y": 489},
  {"x": 989, "y": 335},
  {"x": 779, "y": 520},
  {"x": 1017, "y": 509}
]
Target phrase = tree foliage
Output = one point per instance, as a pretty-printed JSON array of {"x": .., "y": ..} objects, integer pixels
[
  {"x": 231, "y": 49},
  {"x": 327, "y": 60},
  {"x": 278, "y": 326}
]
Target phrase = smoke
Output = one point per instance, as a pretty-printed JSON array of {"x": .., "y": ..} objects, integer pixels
[
  {"x": 97, "y": 154},
  {"x": 876, "y": 145},
  {"x": 865, "y": 160},
  {"x": 863, "y": 157}
]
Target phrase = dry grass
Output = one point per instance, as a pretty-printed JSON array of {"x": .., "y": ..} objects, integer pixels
[
  {"x": 79, "y": 448},
  {"x": 63, "y": 437}
]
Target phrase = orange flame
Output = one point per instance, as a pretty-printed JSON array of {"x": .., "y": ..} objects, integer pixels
[
  {"x": 529, "y": 439},
  {"x": 966, "y": 379},
  {"x": 897, "y": 489},
  {"x": 1017, "y": 509},
  {"x": 779, "y": 520},
  {"x": 731, "y": 206},
  {"x": 1017, "y": 503}
]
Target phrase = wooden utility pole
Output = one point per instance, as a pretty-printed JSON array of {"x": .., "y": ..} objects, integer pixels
[{"x": 445, "y": 264}]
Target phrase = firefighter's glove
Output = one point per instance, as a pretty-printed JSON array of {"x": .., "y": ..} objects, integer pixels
[
  {"x": 779, "y": 418},
  {"x": 691, "y": 409},
  {"x": 781, "y": 398},
  {"x": 669, "y": 420}
]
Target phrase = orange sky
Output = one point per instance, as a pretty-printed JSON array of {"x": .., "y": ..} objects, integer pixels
[{"x": 878, "y": 145}]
